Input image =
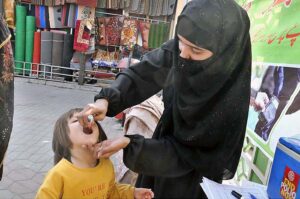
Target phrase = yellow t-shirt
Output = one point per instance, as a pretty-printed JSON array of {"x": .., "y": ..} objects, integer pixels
[{"x": 67, "y": 181}]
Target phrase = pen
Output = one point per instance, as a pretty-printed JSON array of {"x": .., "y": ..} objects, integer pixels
[
  {"x": 236, "y": 194},
  {"x": 252, "y": 196}
]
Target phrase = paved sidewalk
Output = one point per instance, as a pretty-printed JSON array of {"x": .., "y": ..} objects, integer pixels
[{"x": 29, "y": 155}]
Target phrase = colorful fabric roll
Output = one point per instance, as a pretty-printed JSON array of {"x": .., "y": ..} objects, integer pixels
[
  {"x": 29, "y": 38},
  {"x": 158, "y": 34},
  {"x": 82, "y": 35},
  {"x": 36, "y": 53},
  {"x": 144, "y": 29},
  {"x": 20, "y": 37},
  {"x": 113, "y": 30},
  {"x": 129, "y": 32}
]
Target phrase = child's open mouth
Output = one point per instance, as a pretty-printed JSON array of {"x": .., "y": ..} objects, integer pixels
[{"x": 87, "y": 130}]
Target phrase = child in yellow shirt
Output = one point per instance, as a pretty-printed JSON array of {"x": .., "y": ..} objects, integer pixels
[{"x": 77, "y": 173}]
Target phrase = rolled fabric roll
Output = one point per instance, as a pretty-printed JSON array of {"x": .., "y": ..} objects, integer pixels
[
  {"x": 67, "y": 56},
  {"x": 29, "y": 38},
  {"x": 36, "y": 53},
  {"x": 20, "y": 38},
  {"x": 46, "y": 52},
  {"x": 57, "y": 51}
]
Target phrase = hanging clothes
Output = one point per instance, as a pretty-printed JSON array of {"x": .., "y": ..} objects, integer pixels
[
  {"x": 129, "y": 32},
  {"x": 113, "y": 30},
  {"x": 82, "y": 35},
  {"x": 144, "y": 28},
  {"x": 101, "y": 39}
]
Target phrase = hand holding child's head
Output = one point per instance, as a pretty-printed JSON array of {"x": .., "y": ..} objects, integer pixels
[{"x": 142, "y": 193}]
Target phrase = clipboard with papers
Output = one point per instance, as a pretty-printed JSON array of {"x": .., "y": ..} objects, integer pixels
[{"x": 247, "y": 190}]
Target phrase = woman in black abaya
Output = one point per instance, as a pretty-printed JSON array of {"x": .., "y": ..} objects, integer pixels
[{"x": 205, "y": 76}]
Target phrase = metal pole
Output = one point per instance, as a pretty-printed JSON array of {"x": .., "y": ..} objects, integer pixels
[{"x": 82, "y": 68}]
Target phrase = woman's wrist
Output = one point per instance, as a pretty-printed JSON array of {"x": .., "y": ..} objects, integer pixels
[
  {"x": 126, "y": 141},
  {"x": 102, "y": 101}
]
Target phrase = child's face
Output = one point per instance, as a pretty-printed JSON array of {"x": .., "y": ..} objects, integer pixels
[{"x": 78, "y": 137}]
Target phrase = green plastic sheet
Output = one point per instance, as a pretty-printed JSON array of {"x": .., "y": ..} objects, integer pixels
[
  {"x": 20, "y": 37},
  {"x": 30, "y": 29}
]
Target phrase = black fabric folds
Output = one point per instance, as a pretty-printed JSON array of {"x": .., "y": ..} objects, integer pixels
[{"x": 67, "y": 56}]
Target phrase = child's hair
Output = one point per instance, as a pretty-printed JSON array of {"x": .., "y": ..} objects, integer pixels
[{"x": 61, "y": 142}]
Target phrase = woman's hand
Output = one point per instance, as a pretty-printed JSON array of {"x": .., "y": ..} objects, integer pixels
[
  {"x": 97, "y": 109},
  {"x": 110, "y": 147},
  {"x": 142, "y": 193}
]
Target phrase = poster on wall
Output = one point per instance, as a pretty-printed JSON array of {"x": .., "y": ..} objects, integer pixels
[{"x": 274, "y": 109}]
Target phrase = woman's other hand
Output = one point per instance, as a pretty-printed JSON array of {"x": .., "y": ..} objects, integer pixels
[
  {"x": 142, "y": 193},
  {"x": 110, "y": 147}
]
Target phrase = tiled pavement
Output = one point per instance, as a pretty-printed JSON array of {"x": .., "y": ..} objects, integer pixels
[{"x": 29, "y": 154}]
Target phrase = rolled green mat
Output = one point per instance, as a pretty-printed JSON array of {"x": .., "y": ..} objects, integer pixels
[
  {"x": 20, "y": 37},
  {"x": 30, "y": 29}
]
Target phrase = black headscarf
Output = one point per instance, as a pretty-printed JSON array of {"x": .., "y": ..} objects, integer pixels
[{"x": 211, "y": 97}]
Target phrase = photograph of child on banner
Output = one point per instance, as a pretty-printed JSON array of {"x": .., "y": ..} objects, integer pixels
[{"x": 277, "y": 85}]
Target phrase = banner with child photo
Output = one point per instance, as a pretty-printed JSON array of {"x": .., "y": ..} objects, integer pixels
[{"x": 275, "y": 97}]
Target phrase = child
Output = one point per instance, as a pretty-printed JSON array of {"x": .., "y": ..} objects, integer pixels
[{"x": 77, "y": 172}]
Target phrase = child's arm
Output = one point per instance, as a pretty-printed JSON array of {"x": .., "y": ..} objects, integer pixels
[
  {"x": 125, "y": 191},
  {"x": 51, "y": 187}
]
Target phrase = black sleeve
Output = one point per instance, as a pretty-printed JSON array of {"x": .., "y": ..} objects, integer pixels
[
  {"x": 138, "y": 82},
  {"x": 165, "y": 157}
]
